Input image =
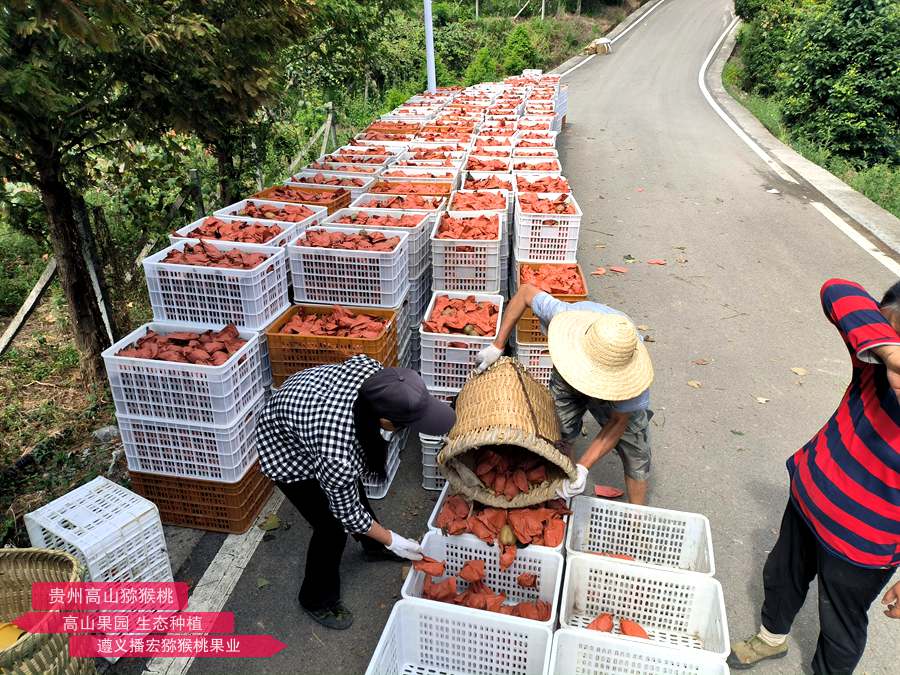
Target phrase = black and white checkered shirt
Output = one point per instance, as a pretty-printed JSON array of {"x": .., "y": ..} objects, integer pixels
[{"x": 307, "y": 432}]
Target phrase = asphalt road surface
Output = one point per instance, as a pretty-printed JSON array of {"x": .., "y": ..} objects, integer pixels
[{"x": 658, "y": 175}]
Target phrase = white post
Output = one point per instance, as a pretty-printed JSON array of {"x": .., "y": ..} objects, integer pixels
[
  {"x": 429, "y": 47},
  {"x": 476, "y": 9},
  {"x": 543, "y": 8}
]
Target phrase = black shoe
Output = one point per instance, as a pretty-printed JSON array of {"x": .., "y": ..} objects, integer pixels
[
  {"x": 337, "y": 617},
  {"x": 381, "y": 554}
]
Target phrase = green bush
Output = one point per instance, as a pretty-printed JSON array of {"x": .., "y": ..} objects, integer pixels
[
  {"x": 483, "y": 68},
  {"x": 840, "y": 81},
  {"x": 518, "y": 53}
]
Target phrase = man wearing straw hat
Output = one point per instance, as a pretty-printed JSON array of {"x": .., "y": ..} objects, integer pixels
[{"x": 600, "y": 365}]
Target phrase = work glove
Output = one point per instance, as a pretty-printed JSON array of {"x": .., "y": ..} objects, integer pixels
[
  {"x": 487, "y": 357},
  {"x": 405, "y": 548},
  {"x": 573, "y": 488}
]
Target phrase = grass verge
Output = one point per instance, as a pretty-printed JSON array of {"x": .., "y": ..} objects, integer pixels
[{"x": 880, "y": 183}]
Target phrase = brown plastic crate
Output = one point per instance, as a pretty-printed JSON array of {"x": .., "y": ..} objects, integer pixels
[
  {"x": 427, "y": 189},
  {"x": 290, "y": 353},
  {"x": 528, "y": 328},
  {"x": 340, "y": 196},
  {"x": 206, "y": 504}
]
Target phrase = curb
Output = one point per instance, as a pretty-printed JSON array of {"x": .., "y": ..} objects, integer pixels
[
  {"x": 617, "y": 29},
  {"x": 876, "y": 220}
]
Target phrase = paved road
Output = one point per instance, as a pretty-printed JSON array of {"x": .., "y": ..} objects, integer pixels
[{"x": 658, "y": 175}]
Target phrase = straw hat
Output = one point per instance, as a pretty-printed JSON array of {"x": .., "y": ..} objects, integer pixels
[{"x": 600, "y": 355}]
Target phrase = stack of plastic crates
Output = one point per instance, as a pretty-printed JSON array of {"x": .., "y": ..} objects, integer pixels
[
  {"x": 377, "y": 489},
  {"x": 649, "y": 565},
  {"x": 432, "y": 479},
  {"x": 530, "y": 341},
  {"x": 191, "y": 422}
]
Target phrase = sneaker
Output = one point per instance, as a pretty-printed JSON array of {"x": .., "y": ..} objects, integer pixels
[
  {"x": 747, "y": 653},
  {"x": 337, "y": 617}
]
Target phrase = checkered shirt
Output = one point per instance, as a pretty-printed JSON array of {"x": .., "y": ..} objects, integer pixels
[{"x": 307, "y": 432}]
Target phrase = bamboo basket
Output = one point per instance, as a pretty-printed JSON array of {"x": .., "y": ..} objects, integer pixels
[
  {"x": 34, "y": 653},
  {"x": 504, "y": 406}
]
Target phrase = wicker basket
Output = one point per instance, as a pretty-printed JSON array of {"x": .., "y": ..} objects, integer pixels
[
  {"x": 34, "y": 653},
  {"x": 504, "y": 406}
]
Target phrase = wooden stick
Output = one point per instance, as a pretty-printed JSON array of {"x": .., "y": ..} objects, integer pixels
[{"x": 28, "y": 306}]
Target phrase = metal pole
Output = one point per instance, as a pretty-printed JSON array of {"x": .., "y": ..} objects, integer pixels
[
  {"x": 429, "y": 47},
  {"x": 543, "y": 6}
]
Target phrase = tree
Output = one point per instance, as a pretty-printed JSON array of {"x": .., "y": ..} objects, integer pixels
[
  {"x": 518, "y": 53},
  {"x": 483, "y": 68}
]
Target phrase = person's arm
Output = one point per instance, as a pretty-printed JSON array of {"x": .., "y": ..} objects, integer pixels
[
  {"x": 891, "y": 599},
  {"x": 606, "y": 440},
  {"x": 513, "y": 311},
  {"x": 856, "y": 315}
]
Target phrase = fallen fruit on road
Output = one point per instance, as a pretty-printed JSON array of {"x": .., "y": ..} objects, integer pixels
[
  {"x": 233, "y": 230},
  {"x": 607, "y": 491},
  {"x": 599, "y": 272},
  {"x": 209, "y": 348},
  {"x": 619, "y": 270},
  {"x": 603, "y": 623},
  {"x": 339, "y": 322},
  {"x": 462, "y": 317},
  {"x": 205, "y": 254},
  {"x": 361, "y": 241}
]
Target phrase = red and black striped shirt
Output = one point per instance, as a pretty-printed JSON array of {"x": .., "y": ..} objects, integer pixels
[{"x": 846, "y": 479}]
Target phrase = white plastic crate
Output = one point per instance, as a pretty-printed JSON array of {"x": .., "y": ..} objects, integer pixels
[
  {"x": 588, "y": 652},
  {"x": 536, "y": 164},
  {"x": 526, "y": 179},
  {"x": 475, "y": 162},
  {"x": 655, "y": 537},
  {"x": 446, "y": 365},
  {"x": 114, "y": 532},
  {"x": 234, "y": 210},
  {"x": 419, "y": 297},
  {"x": 675, "y": 608},
  {"x": 215, "y": 295},
  {"x": 536, "y": 359},
  {"x": 550, "y": 153},
  {"x": 432, "y": 479},
  {"x": 547, "y": 237},
  {"x": 288, "y": 231},
  {"x": 302, "y": 179},
  {"x": 468, "y": 264},
  {"x": 372, "y": 200},
  {"x": 435, "y": 174},
  {"x": 418, "y": 243},
  {"x": 376, "y": 489},
  {"x": 350, "y": 169},
  {"x": 207, "y": 451},
  {"x": 184, "y": 391},
  {"x": 363, "y": 278},
  {"x": 545, "y": 564},
  {"x": 544, "y": 138},
  {"x": 428, "y": 638}
]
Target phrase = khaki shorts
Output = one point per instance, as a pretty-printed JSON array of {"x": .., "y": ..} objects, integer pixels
[{"x": 634, "y": 446}]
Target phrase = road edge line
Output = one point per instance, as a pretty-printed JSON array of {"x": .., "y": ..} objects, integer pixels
[
  {"x": 866, "y": 214},
  {"x": 635, "y": 18},
  {"x": 749, "y": 142},
  {"x": 858, "y": 238},
  {"x": 218, "y": 581}
]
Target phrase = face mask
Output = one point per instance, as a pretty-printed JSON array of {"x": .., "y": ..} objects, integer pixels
[{"x": 386, "y": 435}]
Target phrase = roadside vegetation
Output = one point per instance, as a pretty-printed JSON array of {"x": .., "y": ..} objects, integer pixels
[
  {"x": 107, "y": 107},
  {"x": 822, "y": 76}
]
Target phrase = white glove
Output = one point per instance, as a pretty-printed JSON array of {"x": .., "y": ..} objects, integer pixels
[
  {"x": 405, "y": 548},
  {"x": 573, "y": 488},
  {"x": 487, "y": 357}
]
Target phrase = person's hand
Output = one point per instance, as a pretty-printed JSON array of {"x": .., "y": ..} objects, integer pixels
[
  {"x": 892, "y": 600},
  {"x": 573, "y": 488},
  {"x": 405, "y": 548},
  {"x": 487, "y": 357}
]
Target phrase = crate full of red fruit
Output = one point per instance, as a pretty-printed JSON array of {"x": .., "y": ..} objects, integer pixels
[
  {"x": 416, "y": 224},
  {"x": 464, "y": 571},
  {"x": 332, "y": 197},
  {"x": 466, "y": 252},
  {"x": 547, "y": 227},
  {"x": 301, "y": 215},
  {"x": 312, "y": 335},
  {"x": 357, "y": 185},
  {"x": 350, "y": 266},
  {"x": 243, "y": 230},
  {"x": 197, "y": 281},
  {"x": 178, "y": 372},
  {"x": 456, "y": 327}
]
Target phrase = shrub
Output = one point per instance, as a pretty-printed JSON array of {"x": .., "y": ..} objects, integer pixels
[
  {"x": 518, "y": 53},
  {"x": 839, "y": 81},
  {"x": 483, "y": 68}
]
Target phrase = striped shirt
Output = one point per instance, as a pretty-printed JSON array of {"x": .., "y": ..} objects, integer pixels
[
  {"x": 846, "y": 480},
  {"x": 307, "y": 431}
]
